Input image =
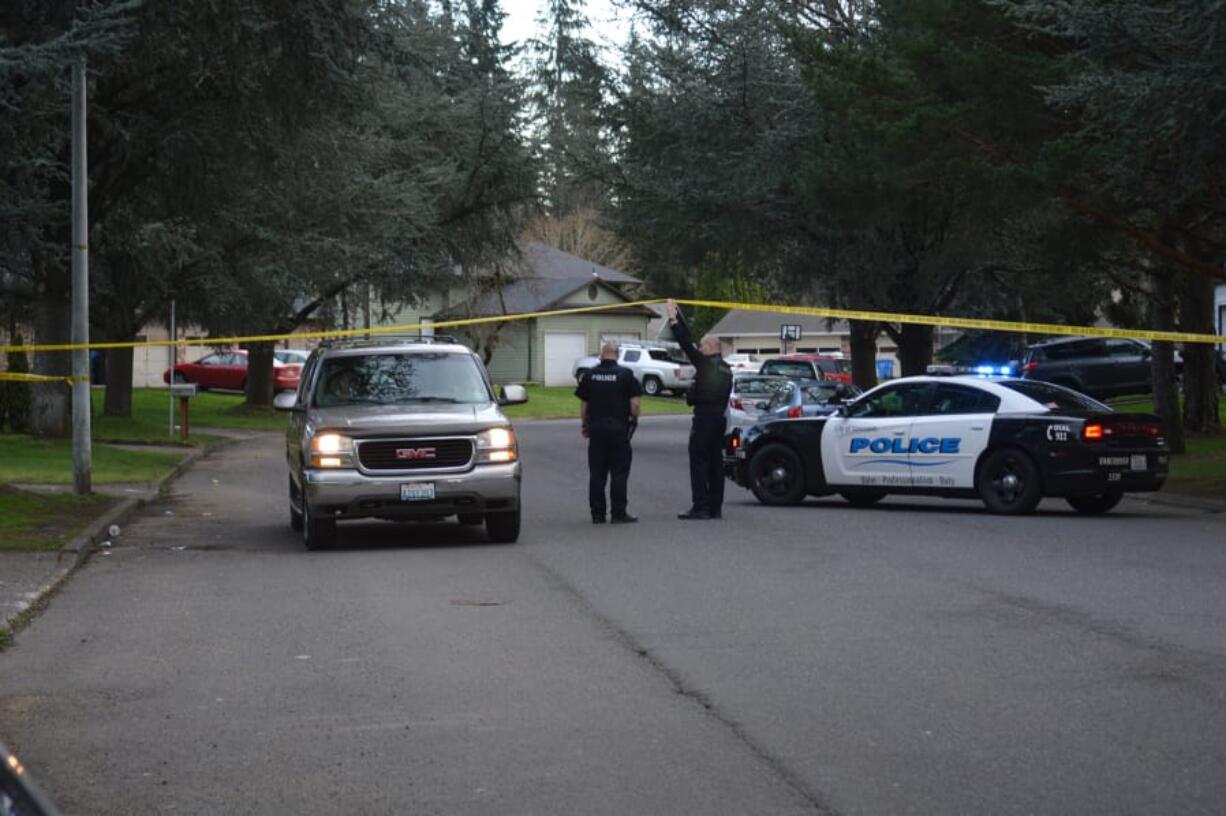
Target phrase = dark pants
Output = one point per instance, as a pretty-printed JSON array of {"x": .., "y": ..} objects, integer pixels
[
  {"x": 706, "y": 462},
  {"x": 608, "y": 460}
]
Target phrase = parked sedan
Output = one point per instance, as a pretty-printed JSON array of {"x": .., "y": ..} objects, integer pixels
[
  {"x": 809, "y": 398},
  {"x": 228, "y": 370},
  {"x": 751, "y": 397}
]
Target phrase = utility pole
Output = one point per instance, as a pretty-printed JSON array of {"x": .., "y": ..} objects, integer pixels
[{"x": 81, "y": 453}]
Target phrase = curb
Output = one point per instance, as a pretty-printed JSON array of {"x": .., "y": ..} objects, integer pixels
[
  {"x": 73, "y": 555},
  {"x": 1185, "y": 502}
]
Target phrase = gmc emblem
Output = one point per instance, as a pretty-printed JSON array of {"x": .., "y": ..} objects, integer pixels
[{"x": 415, "y": 453}]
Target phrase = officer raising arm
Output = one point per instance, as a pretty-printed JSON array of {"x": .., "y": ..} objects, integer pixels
[
  {"x": 610, "y": 410},
  {"x": 709, "y": 396}
]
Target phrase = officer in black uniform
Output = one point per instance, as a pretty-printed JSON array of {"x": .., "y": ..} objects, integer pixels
[
  {"x": 610, "y": 412},
  {"x": 709, "y": 396}
]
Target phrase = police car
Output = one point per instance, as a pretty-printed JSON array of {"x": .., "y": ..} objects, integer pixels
[{"x": 1008, "y": 442}]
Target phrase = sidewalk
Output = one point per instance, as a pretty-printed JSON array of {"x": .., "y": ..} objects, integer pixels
[{"x": 28, "y": 578}]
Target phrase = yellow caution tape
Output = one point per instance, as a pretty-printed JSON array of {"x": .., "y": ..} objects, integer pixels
[
  {"x": 1054, "y": 329},
  {"x": 15, "y": 376}
]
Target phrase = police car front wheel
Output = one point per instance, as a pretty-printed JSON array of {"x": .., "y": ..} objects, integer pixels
[
  {"x": 776, "y": 475},
  {"x": 1008, "y": 482},
  {"x": 1094, "y": 505}
]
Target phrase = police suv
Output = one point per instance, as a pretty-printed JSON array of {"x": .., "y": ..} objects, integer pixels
[{"x": 1008, "y": 442}]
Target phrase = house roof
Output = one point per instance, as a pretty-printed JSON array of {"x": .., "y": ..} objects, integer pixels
[
  {"x": 532, "y": 295},
  {"x": 739, "y": 323},
  {"x": 546, "y": 262},
  {"x": 745, "y": 323}
]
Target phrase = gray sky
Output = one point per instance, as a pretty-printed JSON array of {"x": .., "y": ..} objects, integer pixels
[{"x": 609, "y": 27}]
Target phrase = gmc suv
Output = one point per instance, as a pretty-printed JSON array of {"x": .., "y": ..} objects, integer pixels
[{"x": 400, "y": 430}]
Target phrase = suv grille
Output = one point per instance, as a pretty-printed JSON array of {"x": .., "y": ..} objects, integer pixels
[{"x": 414, "y": 454}]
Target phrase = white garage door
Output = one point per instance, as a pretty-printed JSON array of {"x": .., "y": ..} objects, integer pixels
[{"x": 561, "y": 351}]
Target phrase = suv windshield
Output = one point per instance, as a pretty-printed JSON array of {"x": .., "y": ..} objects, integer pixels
[
  {"x": 1054, "y": 397},
  {"x": 387, "y": 378}
]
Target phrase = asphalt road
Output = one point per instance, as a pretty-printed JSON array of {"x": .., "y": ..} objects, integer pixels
[{"x": 916, "y": 657}]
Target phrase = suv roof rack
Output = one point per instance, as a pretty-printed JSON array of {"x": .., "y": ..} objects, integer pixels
[{"x": 387, "y": 339}]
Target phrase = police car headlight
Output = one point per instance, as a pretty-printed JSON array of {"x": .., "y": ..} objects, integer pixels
[
  {"x": 497, "y": 446},
  {"x": 331, "y": 450}
]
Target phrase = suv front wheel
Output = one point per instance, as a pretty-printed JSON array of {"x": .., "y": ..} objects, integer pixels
[
  {"x": 652, "y": 386},
  {"x": 317, "y": 531},
  {"x": 503, "y": 528}
]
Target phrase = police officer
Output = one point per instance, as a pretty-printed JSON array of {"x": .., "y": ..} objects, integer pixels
[
  {"x": 610, "y": 411},
  {"x": 709, "y": 396}
]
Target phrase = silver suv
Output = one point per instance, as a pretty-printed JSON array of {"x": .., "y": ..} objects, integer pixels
[
  {"x": 655, "y": 369},
  {"x": 400, "y": 430}
]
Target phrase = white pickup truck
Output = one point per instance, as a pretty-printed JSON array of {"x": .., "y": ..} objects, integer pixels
[{"x": 654, "y": 368}]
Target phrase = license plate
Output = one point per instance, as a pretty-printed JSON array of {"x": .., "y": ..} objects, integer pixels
[
  {"x": 1139, "y": 462},
  {"x": 417, "y": 491}
]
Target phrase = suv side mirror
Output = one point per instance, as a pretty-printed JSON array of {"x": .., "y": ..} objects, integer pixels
[
  {"x": 512, "y": 395},
  {"x": 286, "y": 401}
]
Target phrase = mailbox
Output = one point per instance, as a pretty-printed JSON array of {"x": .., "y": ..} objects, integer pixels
[{"x": 184, "y": 392}]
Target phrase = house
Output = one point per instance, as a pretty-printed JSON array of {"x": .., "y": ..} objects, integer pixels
[
  {"x": 752, "y": 332},
  {"x": 539, "y": 349}
]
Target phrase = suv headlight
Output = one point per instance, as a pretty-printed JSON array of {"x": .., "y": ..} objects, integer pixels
[
  {"x": 331, "y": 450},
  {"x": 496, "y": 446}
]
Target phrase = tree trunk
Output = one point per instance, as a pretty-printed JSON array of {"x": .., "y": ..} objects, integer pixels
[
  {"x": 862, "y": 336},
  {"x": 50, "y": 406},
  {"x": 1200, "y": 383},
  {"x": 914, "y": 348},
  {"x": 118, "y": 401},
  {"x": 1162, "y": 364},
  {"x": 259, "y": 374}
]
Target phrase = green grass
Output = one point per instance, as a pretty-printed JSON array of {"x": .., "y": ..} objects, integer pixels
[
  {"x": 149, "y": 420},
  {"x": 49, "y": 461},
  {"x": 560, "y": 402},
  {"x": 1202, "y": 470},
  {"x": 45, "y": 521}
]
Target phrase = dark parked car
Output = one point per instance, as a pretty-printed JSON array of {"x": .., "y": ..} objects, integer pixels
[{"x": 1098, "y": 366}]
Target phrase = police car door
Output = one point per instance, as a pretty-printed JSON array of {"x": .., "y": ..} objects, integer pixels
[
  {"x": 948, "y": 438},
  {"x": 867, "y": 445}
]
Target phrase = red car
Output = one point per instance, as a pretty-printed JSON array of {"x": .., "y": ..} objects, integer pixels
[
  {"x": 228, "y": 369},
  {"x": 809, "y": 367}
]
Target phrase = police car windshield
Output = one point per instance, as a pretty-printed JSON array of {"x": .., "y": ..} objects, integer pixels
[
  {"x": 1053, "y": 397},
  {"x": 385, "y": 378}
]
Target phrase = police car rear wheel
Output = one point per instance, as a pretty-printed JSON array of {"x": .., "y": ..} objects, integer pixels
[
  {"x": 1094, "y": 505},
  {"x": 1008, "y": 483},
  {"x": 776, "y": 475},
  {"x": 863, "y": 498}
]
